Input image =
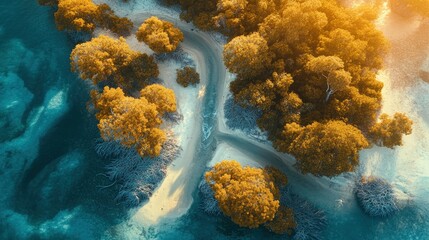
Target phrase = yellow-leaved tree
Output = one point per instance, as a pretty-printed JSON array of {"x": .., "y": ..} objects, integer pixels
[
  {"x": 247, "y": 195},
  {"x": 187, "y": 76},
  {"x": 325, "y": 149},
  {"x": 80, "y": 15},
  {"x": 332, "y": 69},
  {"x": 134, "y": 122},
  {"x": 388, "y": 132},
  {"x": 161, "y": 36},
  {"x": 247, "y": 55},
  {"x": 105, "y": 58},
  {"x": 85, "y": 15}
]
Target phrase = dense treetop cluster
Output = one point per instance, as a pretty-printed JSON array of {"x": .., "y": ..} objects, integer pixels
[
  {"x": 310, "y": 66},
  {"x": 161, "y": 36},
  {"x": 134, "y": 122},
  {"x": 250, "y": 196},
  {"x": 187, "y": 76},
  {"x": 108, "y": 59},
  {"x": 84, "y": 15}
]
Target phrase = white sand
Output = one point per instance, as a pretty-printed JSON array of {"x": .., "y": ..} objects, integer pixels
[
  {"x": 165, "y": 200},
  {"x": 169, "y": 199},
  {"x": 225, "y": 151},
  {"x": 406, "y": 166}
]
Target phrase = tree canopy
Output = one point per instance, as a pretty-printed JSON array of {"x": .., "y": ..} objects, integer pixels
[
  {"x": 80, "y": 15},
  {"x": 84, "y": 15},
  {"x": 388, "y": 131},
  {"x": 324, "y": 149},
  {"x": 161, "y": 36},
  {"x": 104, "y": 58},
  {"x": 247, "y": 55},
  {"x": 248, "y": 195},
  {"x": 307, "y": 64},
  {"x": 134, "y": 122},
  {"x": 187, "y": 76}
]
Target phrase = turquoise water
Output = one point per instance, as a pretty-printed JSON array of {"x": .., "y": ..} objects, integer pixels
[
  {"x": 48, "y": 168},
  {"x": 49, "y": 171}
]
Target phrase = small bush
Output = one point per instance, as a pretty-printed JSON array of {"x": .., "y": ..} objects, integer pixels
[
  {"x": 376, "y": 197},
  {"x": 187, "y": 76},
  {"x": 119, "y": 26}
]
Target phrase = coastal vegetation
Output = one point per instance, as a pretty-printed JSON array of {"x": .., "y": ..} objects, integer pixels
[
  {"x": 306, "y": 68},
  {"x": 161, "y": 36},
  {"x": 84, "y": 15},
  {"x": 187, "y": 76},
  {"x": 134, "y": 122},
  {"x": 250, "y": 196},
  {"x": 310, "y": 66},
  {"x": 108, "y": 59}
]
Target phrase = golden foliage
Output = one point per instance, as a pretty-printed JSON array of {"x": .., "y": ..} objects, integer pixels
[
  {"x": 100, "y": 58},
  {"x": 104, "y": 58},
  {"x": 161, "y": 36},
  {"x": 200, "y": 12},
  {"x": 283, "y": 222},
  {"x": 388, "y": 132},
  {"x": 163, "y": 98},
  {"x": 133, "y": 122},
  {"x": 326, "y": 149},
  {"x": 84, "y": 15},
  {"x": 187, "y": 76},
  {"x": 247, "y": 195},
  {"x": 247, "y": 55},
  {"x": 278, "y": 177},
  {"x": 80, "y": 15},
  {"x": 328, "y": 56},
  {"x": 263, "y": 94},
  {"x": 135, "y": 75},
  {"x": 119, "y": 26}
]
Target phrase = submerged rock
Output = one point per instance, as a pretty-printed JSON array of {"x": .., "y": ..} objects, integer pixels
[
  {"x": 52, "y": 187},
  {"x": 71, "y": 224},
  {"x": 14, "y": 101}
]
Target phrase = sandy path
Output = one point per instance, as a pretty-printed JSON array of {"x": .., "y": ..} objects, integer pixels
[
  {"x": 165, "y": 200},
  {"x": 174, "y": 196}
]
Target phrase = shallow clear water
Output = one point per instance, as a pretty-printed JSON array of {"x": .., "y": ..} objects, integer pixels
[
  {"x": 47, "y": 163},
  {"x": 48, "y": 168}
]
